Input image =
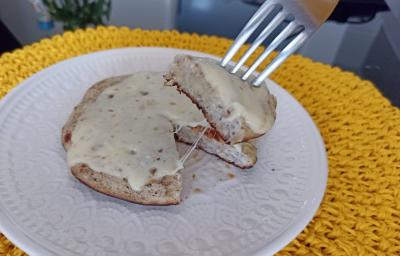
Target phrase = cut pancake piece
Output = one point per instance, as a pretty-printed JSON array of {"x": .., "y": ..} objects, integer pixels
[
  {"x": 234, "y": 108},
  {"x": 242, "y": 155},
  {"x": 120, "y": 138}
]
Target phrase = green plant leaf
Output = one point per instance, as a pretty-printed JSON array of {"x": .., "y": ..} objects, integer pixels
[{"x": 79, "y": 13}]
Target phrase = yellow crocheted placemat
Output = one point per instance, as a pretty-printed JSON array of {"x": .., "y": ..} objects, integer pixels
[{"x": 360, "y": 213}]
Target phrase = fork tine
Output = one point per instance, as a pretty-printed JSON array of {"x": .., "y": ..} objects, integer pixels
[
  {"x": 286, "y": 52},
  {"x": 290, "y": 28},
  {"x": 251, "y": 25},
  {"x": 263, "y": 35}
]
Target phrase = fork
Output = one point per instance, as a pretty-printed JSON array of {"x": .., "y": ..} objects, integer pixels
[{"x": 304, "y": 17}]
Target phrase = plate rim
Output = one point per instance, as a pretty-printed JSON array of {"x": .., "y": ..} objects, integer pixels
[{"x": 30, "y": 246}]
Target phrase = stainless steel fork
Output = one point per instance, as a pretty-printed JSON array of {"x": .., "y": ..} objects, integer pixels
[{"x": 303, "y": 18}]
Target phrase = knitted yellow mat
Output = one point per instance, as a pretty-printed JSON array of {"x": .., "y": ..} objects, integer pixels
[{"x": 360, "y": 213}]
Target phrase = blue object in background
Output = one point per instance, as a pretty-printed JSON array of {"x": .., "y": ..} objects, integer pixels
[
  {"x": 46, "y": 25},
  {"x": 44, "y": 19}
]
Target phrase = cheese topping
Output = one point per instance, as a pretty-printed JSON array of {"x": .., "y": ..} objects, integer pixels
[
  {"x": 128, "y": 130},
  {"x": 242, "y": 98}
]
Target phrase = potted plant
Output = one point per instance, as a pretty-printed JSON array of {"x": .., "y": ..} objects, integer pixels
[{"x": 75, "y": 14}]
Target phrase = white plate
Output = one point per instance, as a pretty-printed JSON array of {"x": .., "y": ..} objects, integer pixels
[{"x": 45, "y": 211}]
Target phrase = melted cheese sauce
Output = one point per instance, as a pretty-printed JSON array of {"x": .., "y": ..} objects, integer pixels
[
  {"x": 128, "y": 131},
  {"x": 242, "y": 98}
]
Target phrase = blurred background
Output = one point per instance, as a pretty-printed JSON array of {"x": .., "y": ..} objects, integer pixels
[{"x": 362, "y": 36}]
